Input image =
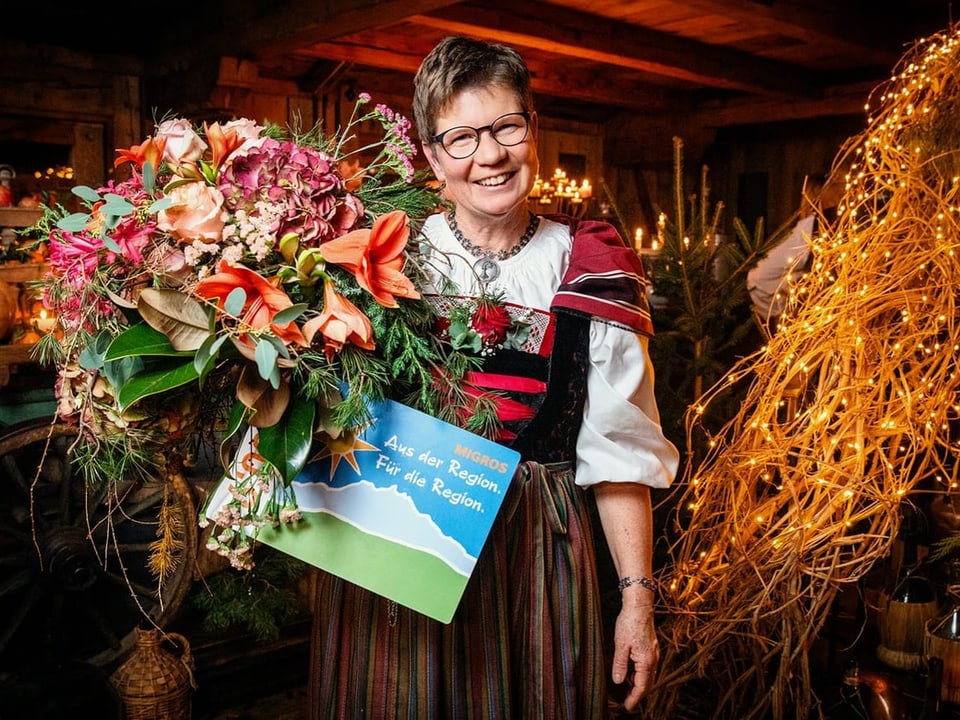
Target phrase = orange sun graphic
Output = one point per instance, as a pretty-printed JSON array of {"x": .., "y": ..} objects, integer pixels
[{"x": 343, "y": 448}]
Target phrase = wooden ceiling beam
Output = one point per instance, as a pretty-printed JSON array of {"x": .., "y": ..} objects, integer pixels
[
  {"x": 555, "y": 29},
  {"x": 837, "y": 102},
  {"x": 263, "y": 28},
  {"x": 841, "y": 24},
  {"x": 546, "y": 78}
]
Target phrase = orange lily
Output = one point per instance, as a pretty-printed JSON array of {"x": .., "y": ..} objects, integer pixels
[
  {"x": 149, "y": 151},
  {"x": 339, "y": 323},
  {"x": 221, "y": 143},
  {"x": 264, "y": 300},
  {"x": 375, "y": 257}
]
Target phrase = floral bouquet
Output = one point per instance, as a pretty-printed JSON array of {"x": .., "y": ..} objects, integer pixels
[{"x": 247, "y": 277}]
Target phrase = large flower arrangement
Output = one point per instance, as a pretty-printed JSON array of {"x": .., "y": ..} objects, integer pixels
[{"x": 247, "y": 276}]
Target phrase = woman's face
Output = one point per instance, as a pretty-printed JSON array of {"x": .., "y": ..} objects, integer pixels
[{"x": 495, "y": 179}]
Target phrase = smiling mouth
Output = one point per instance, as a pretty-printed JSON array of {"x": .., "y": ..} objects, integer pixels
[{"x": 495, "y": 181}]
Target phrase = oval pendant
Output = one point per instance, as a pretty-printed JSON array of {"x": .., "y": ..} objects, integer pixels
[{"x": 487, "y": 269}]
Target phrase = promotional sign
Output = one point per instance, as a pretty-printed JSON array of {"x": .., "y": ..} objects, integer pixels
[{"x": 402, "y": 508}]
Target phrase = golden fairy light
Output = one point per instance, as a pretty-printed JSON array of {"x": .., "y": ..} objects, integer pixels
[{"x": 788, "y": 508}]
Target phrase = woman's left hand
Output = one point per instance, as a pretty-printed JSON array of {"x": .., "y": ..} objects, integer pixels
[{"x": 636, "y": 654}]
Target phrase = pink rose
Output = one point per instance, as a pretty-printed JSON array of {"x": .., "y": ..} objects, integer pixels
[
  {"x": 248, "y": 130},
  {"x": 491, "y": 323},
  {"x": 183, "y": 143},
  {"x": 195, "y": 213}
]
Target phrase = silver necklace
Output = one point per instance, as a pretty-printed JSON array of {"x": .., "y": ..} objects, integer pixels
[{"x": 487, "y": 267}]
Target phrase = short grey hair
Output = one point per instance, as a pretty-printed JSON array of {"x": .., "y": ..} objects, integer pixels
[{"x": 457, "y": 64}]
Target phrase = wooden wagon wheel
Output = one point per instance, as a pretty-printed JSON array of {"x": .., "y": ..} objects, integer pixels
[{"x": 74, "y": 576}]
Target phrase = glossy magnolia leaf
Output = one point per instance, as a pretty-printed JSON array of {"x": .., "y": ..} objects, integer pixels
[
  {"x": 286, "y": 445},
  {"x": 267, "y": 403},
  {"x": 156, "y": 382},
  {"x": 120, "y": 301},
  {"x": 181, "y": 318},
  {"x": 141, "y": 339},
  {"x": 238, "y": 416}
]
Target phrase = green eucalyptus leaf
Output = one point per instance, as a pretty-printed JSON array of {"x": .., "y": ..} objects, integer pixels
[
  {"x": 90, "y": 359},
  {"x": 206, "y": 356},
  {"x": 266, "y": 356},
  {"x": 93, "y": 355},
  {"x": 112, "y": 245},
  {"x": 289, "y": 314},
  {"x": 88, "y": 194},
  {"x": 156, "y": 382},
  {"x": 116, "y": 205},
  {"x": 141, "y": 339},
  {"x": 160, "y": 205},
  {"x": 286, "y": 445},
  {"x": 74, "y": 222},
  {"x": 148, "y": 177},
  {"x": 118, "y": 372},
  {"x": 279, "y": 345},
  {"x": 235, "y": 301},
  {"x": 178, "y": 316}
]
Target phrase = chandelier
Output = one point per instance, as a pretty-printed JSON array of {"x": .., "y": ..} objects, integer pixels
[{"x": 561, "y": 194}]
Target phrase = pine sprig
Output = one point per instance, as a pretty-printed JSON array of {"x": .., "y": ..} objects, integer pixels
[{"x": 259, "y": 601}]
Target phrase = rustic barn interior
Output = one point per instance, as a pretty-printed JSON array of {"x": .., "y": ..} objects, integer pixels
[
  {"x": 756, "y": 88},
  {"x": 760, "y": 92}
]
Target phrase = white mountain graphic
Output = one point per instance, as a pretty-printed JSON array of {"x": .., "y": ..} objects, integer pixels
[{"x": 385, "y": 513}]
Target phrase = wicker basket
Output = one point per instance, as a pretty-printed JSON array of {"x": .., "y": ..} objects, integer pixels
[{"x": 153, "y": 683}]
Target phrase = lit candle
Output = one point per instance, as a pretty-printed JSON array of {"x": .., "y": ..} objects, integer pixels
[
  {"x": 638, "y": 239},
  {"x": 537, "y": 184},
  {"x": 44, "y": 323},
  {"x": 586, "y": 190}
]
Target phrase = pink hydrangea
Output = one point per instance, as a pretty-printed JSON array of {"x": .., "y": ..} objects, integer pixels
[{"x": 302, "y": 181}]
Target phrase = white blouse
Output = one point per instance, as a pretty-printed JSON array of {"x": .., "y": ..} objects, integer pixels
[{"x": 620, "y": 439}]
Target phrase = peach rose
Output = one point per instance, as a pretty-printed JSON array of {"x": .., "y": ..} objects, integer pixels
[{"x": 195, "y": 213}]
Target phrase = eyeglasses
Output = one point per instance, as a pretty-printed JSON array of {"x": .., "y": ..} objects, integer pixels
[{"x": 462, "y": 141}]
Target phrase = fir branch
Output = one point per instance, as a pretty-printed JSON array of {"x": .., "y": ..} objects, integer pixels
[{"x": 259, "y": 600}]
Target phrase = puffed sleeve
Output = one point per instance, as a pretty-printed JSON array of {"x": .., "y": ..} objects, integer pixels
[{"x": 621, "y": 439}]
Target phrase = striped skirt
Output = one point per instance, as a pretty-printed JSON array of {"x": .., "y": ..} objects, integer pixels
[{"x": 524, "y": 644}]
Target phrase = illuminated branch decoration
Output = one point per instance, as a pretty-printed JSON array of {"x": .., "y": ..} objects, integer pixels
[{"x": 849, "y": 410}]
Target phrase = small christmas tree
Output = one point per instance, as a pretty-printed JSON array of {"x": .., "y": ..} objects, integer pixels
[{"x": 702, "y": 310}]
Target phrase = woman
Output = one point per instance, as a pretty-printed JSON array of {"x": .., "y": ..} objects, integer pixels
[{"x": 526, "y": 641}]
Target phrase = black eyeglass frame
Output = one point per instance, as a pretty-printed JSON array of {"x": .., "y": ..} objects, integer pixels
[{"x": 438, "y": 139}]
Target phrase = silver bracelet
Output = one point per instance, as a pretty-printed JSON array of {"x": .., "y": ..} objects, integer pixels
[{"x": 644, "y": 581}]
